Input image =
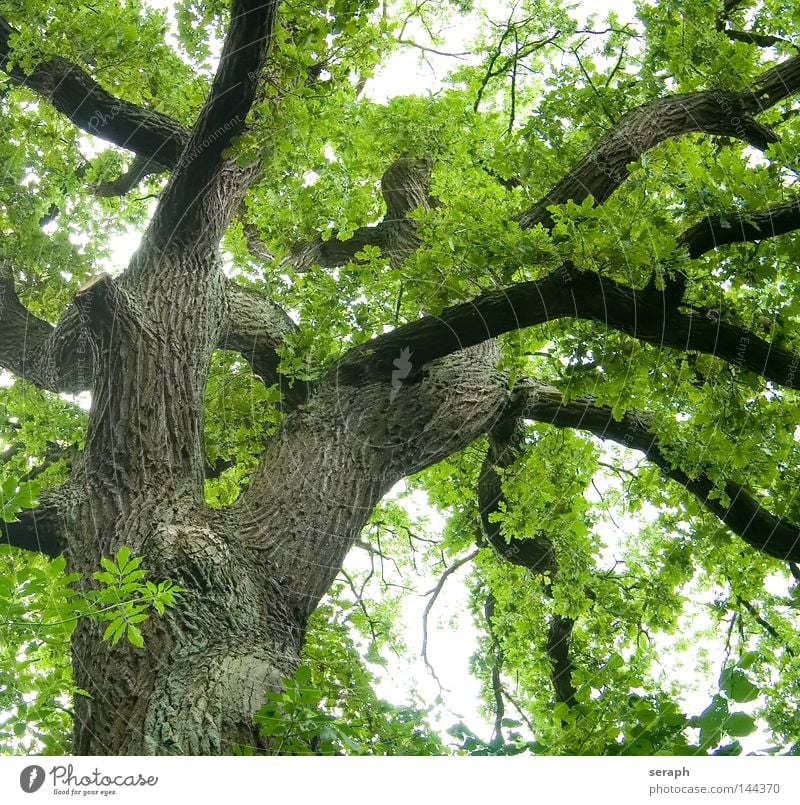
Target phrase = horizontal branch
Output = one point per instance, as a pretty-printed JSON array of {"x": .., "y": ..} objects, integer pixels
[
  {"x": 731, "y": 114},
  {"x": 75, "y": 94},
  {"x": 744, "y": 515},
  {"x": 756, "y": 38},
  {"x": 741, "y": 227},
  {"x": 569, "y": 293},
  {"x": 53, "y": 358}
]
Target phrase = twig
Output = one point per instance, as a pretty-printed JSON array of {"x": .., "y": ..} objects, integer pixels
[
  {"x": 764, "y": 624},
  {"x": 427, "y": 49},
  {"x": 434, "y": 594},
  {"x": 360, "y": 602}
]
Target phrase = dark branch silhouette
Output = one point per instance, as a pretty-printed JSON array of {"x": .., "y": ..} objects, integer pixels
[{"x": 743, "y": 514}]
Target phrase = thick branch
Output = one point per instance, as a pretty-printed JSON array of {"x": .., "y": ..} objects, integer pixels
[
  {"x": 731, "y": 114},
  {"x": 379, "y": 433},
  {"x": 405, "y": 187},
  {"x": 53, "y": 358},
  {"x": 257, "y": 328},
  {"x": 90, "y": 107},
  {"x": 743, "y": 514},
  {"x": 222, "y": 118},
  {"x": 559, "y": 637},
  {"x": 105, "y": 308},
  {"x": 569, "y": 293},
  {"x": 728, "y": 7},
  {"x": 741, "y": 227}
]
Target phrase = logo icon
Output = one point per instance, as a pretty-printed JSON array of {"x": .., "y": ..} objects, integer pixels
[
  {"x": 31, "y": 779},
  {"x": 402, "y": 369}
]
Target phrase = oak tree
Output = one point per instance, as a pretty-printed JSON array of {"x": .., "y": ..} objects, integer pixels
[{"x": 558, "y": 289}]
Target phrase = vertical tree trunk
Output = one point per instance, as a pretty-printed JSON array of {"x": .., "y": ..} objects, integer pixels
[{"x": 252, "y": 573}]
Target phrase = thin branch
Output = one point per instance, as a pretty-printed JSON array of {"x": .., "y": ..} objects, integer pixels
[
  {"x": 764, "y": 624},
  {"x": 425, "y": 49},
  {"x": 360, "y": 601},
  {"x": 520, "y": 711},
  {"x": 434, "y": 594},
  {"x": 594, "y": 89}
]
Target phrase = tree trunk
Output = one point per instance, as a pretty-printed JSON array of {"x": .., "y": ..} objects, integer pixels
[
  {"x": 206, "y": 665},
  {"x": 253, "y": 573}
]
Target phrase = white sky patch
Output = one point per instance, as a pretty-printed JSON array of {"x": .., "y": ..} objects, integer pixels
[{"x": 422, "y": 70}]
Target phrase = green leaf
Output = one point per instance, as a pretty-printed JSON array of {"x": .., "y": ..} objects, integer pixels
[
  {"x": 135, "y": 636},
  {"x": 109, "y": 566},
  {"x": 739, "y": 687},
  {"x": 739, "y": 724}
]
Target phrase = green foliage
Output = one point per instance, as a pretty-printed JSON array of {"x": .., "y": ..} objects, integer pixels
[
  {"x": 330, "y": 707},
  {"x": 16, "y": 496},
  {"x": 40, "y": 607},
  {"x": 125, "y": 597}
]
